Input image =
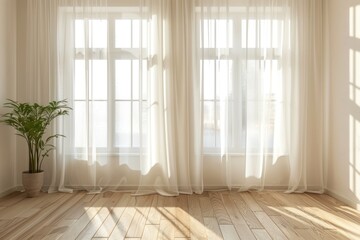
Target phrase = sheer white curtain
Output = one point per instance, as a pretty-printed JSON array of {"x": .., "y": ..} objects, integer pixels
[
  {"x": 174, "y": 96},
  {"x": 260, "y": 72},
  {"x": 128, "y": 75}
]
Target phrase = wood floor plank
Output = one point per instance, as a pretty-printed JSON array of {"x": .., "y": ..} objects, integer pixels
[
  {"x": 229, "y": 232},
  {"x": 85, "y": 219},
  {"x": 333, "y": 219},
  {"x": 206, "y": 208},
  {"x": 237, "y": 219},
  {"x": 22, "y": 206},
  {"x": 219, "y": 208},
  {"x": 122, "y": 226},
  {"x": 315, "y": 234},
  {"x": 58, "y": 229},
  {"x": 154, "y": 213},
  {"x": 298, "y": 201},
  {"x": 138, "y": 223},
  {"x": 245, "y": 211},
  {"x": 166, "y": 207},
  {"x": 267, "y": 203},
  {"x": 329, "y": 220},
  {"x": 336, "y": 205},
  {"x": 150, "y": 232},
  {"x": 270, "y": 226},
  {"x": 197, "y": 229},
  {"x": 182, "y": 217},
  {"x": 48, "y": 201},
  {"x": 25, "y": 227},
  {"x": 110, "y": 222},
  {"x": 213, "y": 231},
  {"x": 339, "y": 236},
  {"x": 166, "y": 230},
  {"x": 285, "y": 227},
  {"x": 122, "y": 216},
  {"x": 92, "y": 227},
  {"x": 12, "y": 199},
  {"x": 169, "y": 207},
  {"x": 79, "y": 208},
  {"x": 261, "y": 234},
  {"x": 250, "y": 201},
  {"x": 291, "y": 212}
]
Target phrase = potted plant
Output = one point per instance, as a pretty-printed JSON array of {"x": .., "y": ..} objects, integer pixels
[{"x": 31, "y": 120}]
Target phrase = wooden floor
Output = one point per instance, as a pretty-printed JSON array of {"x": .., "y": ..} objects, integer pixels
[{"x": 212, "y": 215}]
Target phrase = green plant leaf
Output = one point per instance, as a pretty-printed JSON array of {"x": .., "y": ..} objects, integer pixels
[{"x": 31, "y": 122}]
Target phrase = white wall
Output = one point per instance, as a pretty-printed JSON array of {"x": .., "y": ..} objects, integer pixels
[
  {"x": 7, "y": 90},
  {"x": 344, "y": 113}
]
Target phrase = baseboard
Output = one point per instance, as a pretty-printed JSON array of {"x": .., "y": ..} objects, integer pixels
[
  {"x": 352, "y": 204},
  {"x": 10, "y": 190}
]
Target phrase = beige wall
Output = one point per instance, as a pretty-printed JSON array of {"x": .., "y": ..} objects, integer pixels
[
  {"x": 7, "y": 90},
  {"x": 21, "y": 148},
  {"x": 344, "y": 100}
]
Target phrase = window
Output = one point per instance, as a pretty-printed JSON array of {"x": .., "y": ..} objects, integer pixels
[
  {"x": 242, "y": 79},
  {"x": 108, "y": 67},
  {"x": 240, "y": 69}
]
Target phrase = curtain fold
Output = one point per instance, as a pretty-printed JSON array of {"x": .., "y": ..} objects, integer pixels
[{"x": 180, "y": 96}]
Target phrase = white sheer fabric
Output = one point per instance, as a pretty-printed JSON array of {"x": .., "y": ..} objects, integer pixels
[
  {"x": 174, "y": 96},
  {"x": 261, "y": 65}
]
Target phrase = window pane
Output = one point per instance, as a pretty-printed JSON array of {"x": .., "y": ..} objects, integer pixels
[
  {"x": 123, "y": 124},
  {"x": 99, "y": 116},
  {"x": 135, "y": 77},
  {"x": 79, "y": 34},
  {"x": 272, "y": 80},
  {"x": 252, "y": 76},
  {"x": 98, "y": 76},
  {"x": 264, "y": 80},
  {"x": 224, "y": 33},
  {"x": 248, "y": 33},
  {"x": 224, "y": 74},
  {"x": 216, "y": 33},
  {"x": 123, "y": 79},
  {"x": 261, "y": 33},
  {"x": 136, "y": 125},
  {"x": 98, "y": 33},
  {"x": 144, "y": 80},
  {"x": 80, "y": 87},
  {"x": 135, "y": 33},
  {"x": 209, "y": 78},
  {"x": 253, "y": 125},
  {"x": 123, "y": 33},
  {"x": 208, "y": 33},
  {"x": 209, "y": 125},
  {"x": 145, "y": 122},
  {"x": 144, "y": 33},
  {"x": 80, "y": 124},
  {"x": 219, "y": 112}
]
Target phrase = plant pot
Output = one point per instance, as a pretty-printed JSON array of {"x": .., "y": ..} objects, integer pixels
[{"x": 32, "y": 183}]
